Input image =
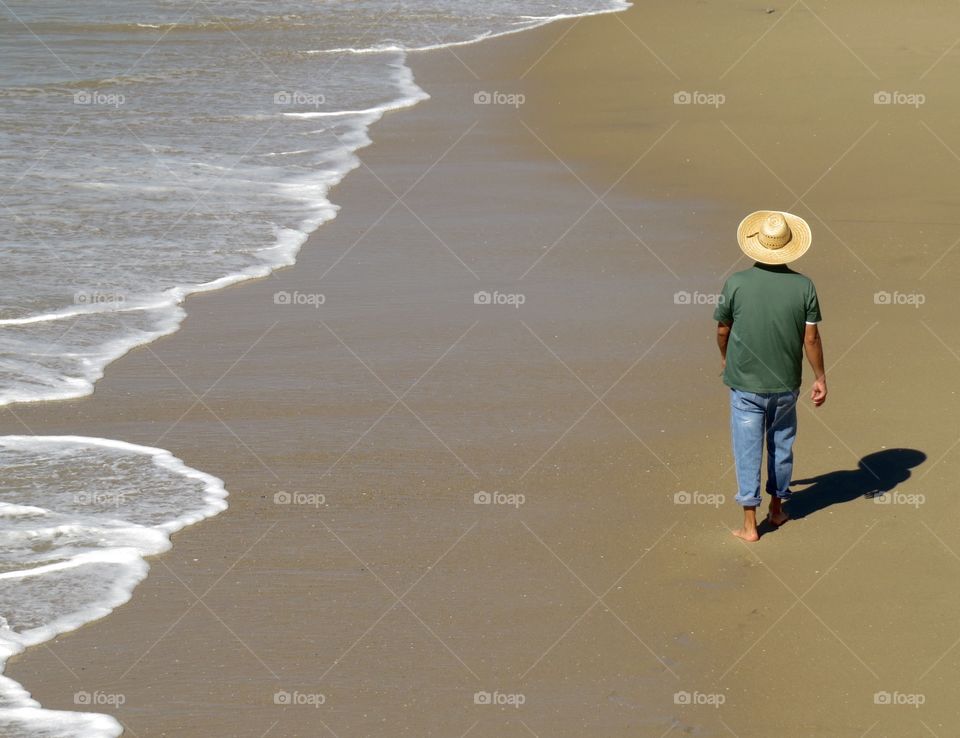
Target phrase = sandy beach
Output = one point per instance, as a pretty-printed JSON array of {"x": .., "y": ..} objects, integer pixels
[{"x": 475, "y": 440}]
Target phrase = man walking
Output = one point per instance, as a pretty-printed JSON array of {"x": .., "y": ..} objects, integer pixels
[{"x": 767, "y": 317}]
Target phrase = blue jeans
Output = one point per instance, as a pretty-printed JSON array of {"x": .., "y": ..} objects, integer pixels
[{"x": 754, "y": 416}]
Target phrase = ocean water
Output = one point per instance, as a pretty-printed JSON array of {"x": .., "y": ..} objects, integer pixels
[
  {"x": 152, "y": 149},
  {"x": 77, "y": 517}
]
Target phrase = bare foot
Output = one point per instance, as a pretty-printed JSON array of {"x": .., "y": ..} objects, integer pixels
[
  {"x": 747, "y": 534},
  {"x": 778, "y": 518}
]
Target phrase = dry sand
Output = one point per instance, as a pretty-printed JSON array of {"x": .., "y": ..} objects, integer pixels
[{"x": 599, "y": 598}]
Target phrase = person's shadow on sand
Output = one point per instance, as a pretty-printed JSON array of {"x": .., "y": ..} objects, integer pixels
[{"x": 876, "y": 474}]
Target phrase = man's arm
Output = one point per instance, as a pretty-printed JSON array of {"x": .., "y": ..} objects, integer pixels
[
  {"x": 813, "y": 347},
  {"x": 723, "y": 335}
]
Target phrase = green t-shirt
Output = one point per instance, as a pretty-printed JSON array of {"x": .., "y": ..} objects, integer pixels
[{"x": 769, "y": 307}]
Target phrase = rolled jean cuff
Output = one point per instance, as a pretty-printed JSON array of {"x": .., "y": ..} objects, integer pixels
[{"x": 782, "y": 495}]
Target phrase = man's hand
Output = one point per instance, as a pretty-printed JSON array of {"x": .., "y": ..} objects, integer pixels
[
  {"x": 814, "y": 349},
  {"x": 819, "y": 392}
]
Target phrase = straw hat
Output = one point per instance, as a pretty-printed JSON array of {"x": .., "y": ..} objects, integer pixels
[{"x": 772, "y": 237}]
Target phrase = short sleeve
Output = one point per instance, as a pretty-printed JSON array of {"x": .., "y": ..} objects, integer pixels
[
  {"x": 813, "y": 305},
  {"x": 723, "y": 313}
]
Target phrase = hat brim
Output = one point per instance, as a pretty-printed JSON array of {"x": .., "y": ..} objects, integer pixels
[{"x": 795, "y": 248}]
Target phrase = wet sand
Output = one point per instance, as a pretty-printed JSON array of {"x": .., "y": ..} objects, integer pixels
[{"x": 601, "y": 586}]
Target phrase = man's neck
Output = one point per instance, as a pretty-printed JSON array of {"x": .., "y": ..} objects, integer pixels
[{"x": 783, "y": 268}]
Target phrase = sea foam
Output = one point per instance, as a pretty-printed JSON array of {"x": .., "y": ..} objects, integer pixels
[{"x": 78, "y": 516}]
